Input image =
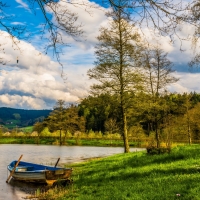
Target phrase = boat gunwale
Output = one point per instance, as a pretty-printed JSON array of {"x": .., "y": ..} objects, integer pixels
[{"x": 40, "y": 167}]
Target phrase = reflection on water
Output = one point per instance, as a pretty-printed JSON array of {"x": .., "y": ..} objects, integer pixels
[
  {"x": 21, "y": 189},
  {"x": 47, "y": 155}
]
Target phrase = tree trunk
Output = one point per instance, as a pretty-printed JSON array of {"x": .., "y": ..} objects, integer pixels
[
  {"x": 189, "y": 134},
  {"x": 60, "y": 137},
  {"x": 157, "y": 137},
  {"x": 125, "y": 134},
  {"x": 188, "y": 126}
]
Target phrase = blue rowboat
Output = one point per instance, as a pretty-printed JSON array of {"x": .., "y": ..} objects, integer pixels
[{"x": 30, "y": 172}]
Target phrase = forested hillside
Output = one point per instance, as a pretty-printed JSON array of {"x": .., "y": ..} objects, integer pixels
[{"x": 11, "y": 117}]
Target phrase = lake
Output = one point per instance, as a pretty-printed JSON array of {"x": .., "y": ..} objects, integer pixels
[{"x": 44, "y": 154}]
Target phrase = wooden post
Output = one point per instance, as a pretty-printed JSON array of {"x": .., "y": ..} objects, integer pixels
[
  {"x": 13, "y": 169},
  {"x": 57, "y": 162}
]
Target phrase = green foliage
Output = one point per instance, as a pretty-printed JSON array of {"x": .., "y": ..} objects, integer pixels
[
  {"x": 39, "y": 128},
  {"x": 154, "y": 150},
  {"x": 17, "y": 116},
  {"x": 99, "y": 134},
  {"x": 56, "y": 120},
  {"x": 111, "y": 125},
  {"x": 61, "y": 121},
  {"x": 66, "y": 119},
  {"x": 99, "y": 109},
  {"x": 91, "y": 134},
  {"x": 45, "y": 132},
  {"x": 112, "y": 136},
  {"x": 68, "y": 134},
  {"x": 28, "y": 129}
]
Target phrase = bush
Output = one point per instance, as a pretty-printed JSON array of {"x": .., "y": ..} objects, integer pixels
[
  {"x": 154, "y": 150},
  {"x": 91, "y": 134}
]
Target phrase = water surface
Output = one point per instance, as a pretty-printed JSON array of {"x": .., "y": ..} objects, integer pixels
[{"x": 47, "y": 155}]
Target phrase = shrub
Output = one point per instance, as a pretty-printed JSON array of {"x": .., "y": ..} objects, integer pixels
[
  {"x": 154, "y": 150},
  {"x": 91, "y": 134}
]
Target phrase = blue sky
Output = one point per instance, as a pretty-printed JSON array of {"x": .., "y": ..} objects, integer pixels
[{"x": 35, "y": 82}]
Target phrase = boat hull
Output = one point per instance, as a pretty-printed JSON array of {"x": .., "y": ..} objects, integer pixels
[
  {"x": 30, "y": 176},
  {"x": 29, "y": 172}
]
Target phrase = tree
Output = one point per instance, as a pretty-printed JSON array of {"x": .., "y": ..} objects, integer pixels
[
  {"x": 111, "y": 126},
  {"x": 73, "y": 122},
  {"x": 116, "y": 55},
  {"x": 17, "y": 116},
  {"x": 97, "y": 110},
  {"x": 162, "y": 15},
  {"x": 57, "y": 20},
  {"x": 167, "y": 18},
  {"x": 63, "y": 21},
  {"x": 38, "y": 127},
  {"x": 64, "y": 119},
  {"x": 158, "y": 75},
  {"x": 5, "y": 25},
  {"x": 187, "y": 119},
  {"x": 194, "y": 114},
  {"x": 158, "y": 71},
  {"x": 56, "y": 120}
]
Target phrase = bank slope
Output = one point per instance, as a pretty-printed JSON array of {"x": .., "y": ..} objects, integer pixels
[{"x": 136, "y": 176}]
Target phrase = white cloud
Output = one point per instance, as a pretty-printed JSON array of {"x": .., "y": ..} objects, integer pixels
[
  {"x": 90, "y": 16},
  {"x": 35, "y": 79},
  {"x": 27, "y": 102},
  {"x": 23, "y": 5},
  {"x": 35, "y": 82},
  {"x": 18, "y": 23},
  {"x": 188, "y": 82}
]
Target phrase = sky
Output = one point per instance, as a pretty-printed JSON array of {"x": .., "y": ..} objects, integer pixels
[{"x": 31, "y": 79}]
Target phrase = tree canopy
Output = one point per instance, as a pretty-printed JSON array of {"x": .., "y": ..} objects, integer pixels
[{"x": 163, "y": 16}]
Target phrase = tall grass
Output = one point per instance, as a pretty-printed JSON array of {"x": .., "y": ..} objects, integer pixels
[{"x": 136, "y": 176}]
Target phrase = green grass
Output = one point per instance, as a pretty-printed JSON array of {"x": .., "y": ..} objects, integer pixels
[
  {"x": 27, "y": 129},
  {"x": 68, "y": 142},
  {"x": 13, "y": 140},
  {"x": 26, "y": 140},
  {"x": 13, "y": 123},
  {"x": 7, "y": 140},
  {"x": 99, "y": 142},
  {"x": 136, "y": 176}
]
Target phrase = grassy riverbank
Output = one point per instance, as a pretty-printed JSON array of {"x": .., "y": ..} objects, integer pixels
[
  {"x": 136, "y": 176},
  {"x": 69, "y": 141}
]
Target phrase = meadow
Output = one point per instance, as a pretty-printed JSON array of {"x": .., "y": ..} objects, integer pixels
[{"x": 135, "y": 176}]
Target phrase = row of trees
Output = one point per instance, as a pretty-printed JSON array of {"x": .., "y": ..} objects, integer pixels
[{"x": 174, "y": 117}]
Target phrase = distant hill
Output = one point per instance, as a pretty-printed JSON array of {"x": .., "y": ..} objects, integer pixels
[{"x": 11, "y": 117}]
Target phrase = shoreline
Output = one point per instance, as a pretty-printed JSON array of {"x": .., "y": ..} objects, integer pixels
[{"x": 71, "y": 142}]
